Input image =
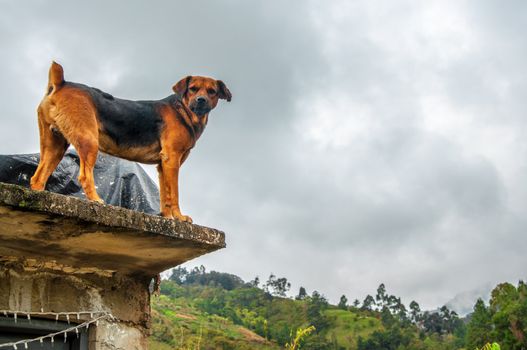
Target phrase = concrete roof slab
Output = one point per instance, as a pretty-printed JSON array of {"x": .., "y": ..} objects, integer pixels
[{"x": 81, "y": 234}]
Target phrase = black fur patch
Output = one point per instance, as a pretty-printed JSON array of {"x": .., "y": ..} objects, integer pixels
[{"x": 128, "y": 123}]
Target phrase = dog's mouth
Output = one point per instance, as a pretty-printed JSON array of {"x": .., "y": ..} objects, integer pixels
[{"x": 200, "y": 109}]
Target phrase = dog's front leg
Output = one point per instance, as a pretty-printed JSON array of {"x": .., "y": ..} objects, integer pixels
[
  {"x": 170, "y": 172},
  {"x": 164, "y": 202}
]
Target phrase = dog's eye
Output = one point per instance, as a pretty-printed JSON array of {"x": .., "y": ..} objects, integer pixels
[
  {"x": 211, "y": 91},
  {"x": 193, "y": 89}
]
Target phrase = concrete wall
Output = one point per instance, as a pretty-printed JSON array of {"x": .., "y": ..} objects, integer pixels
[{"x": 30, "y": 286}]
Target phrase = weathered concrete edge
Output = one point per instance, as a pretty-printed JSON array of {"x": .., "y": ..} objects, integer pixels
[{"x": 107, "y": 215}]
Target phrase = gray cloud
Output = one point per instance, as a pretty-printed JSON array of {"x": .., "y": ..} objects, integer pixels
[{"x": 365, "y": 142}]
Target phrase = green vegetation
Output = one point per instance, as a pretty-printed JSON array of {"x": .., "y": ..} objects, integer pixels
[
  {"x": 178, "y": 324},
  {"x": 489, "y": 346},
  {"x": 504, "y": 320},
  {"x": 296, "y": 341},
  {"x": 211, "y": 310}
]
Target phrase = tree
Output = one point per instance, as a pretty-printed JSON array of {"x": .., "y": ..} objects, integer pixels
[
  {"x": 343, "y": 303},
  {"x": 356, "y": 303},
  {"x": 277, "y": 286},
  {"x": 415, "y": 312},
  {"x": 442, "y": 322},
  {"x": 302, "y": 294},
  {"x": 282, "y": 286},
  {"x": 381, "y": 297},
  {"x": 398, "y": 309},
  {"x": 178, "y": 275},
  {"x": 316, "y": 305},
  {"x": 270, "y": 281},
  {"x": 432, "y": 322},
  {"x": 194, "y": 276},
  {"x": 391, "y": 301},
  {"x": 199, "y": 275},
  {"x": 255, "y": 282},
  {"x": 387, "y": 318},
  {"x": 508, "y": 306},
  {"x": 368, "y": 303},
  {"x": 480, "y": 326}
]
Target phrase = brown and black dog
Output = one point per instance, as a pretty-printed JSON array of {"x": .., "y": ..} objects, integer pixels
[{"x": 153, "y": 132}]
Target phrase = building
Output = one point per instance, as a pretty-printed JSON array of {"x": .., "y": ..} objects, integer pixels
[{"x": 80, "y": 274}]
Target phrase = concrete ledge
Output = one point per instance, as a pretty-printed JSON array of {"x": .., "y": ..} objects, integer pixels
[{"x": 80, "y": 234}]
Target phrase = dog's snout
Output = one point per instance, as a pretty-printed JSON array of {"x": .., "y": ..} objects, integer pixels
[{"x": 201, "y": 99}]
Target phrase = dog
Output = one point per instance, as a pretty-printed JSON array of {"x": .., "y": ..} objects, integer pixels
[{"x": 158, "y": 132}]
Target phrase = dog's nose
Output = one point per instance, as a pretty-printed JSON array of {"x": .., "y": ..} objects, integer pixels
[{"x": 201, "y": 99}]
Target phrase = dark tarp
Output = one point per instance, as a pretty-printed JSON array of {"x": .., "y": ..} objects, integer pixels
[{"x": 118, "y": 182}]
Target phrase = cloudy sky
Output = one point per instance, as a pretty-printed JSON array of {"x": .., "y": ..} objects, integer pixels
[{"x": 366, "y": 142}]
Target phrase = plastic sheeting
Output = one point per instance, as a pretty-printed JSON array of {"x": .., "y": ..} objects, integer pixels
[{"x": 118, "y": 182}]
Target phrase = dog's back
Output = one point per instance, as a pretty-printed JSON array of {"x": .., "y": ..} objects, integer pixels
[{"x": 127, "y": 123}]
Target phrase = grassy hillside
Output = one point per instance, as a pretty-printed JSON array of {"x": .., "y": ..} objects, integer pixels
[
  {"x": 178, "y": 324},
  {"x": 348, "y": 326},
  {"x": 210, "y": 317},
  {"x": 211, "y": 310},
  {"x": 244, "y": 318}
]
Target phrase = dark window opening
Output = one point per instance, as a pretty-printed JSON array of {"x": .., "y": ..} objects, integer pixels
[{"x": 28, "y": 329}]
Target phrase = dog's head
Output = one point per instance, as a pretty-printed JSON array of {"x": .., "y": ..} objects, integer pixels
[{"x": 201, "y": 94}]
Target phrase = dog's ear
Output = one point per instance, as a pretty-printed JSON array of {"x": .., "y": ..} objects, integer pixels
[
  {"x": 181, "y": 86},
  {"x": 223, "y": 92}
]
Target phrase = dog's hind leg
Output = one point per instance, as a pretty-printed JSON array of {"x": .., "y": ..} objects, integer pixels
[
  {"x": 52, "y": 148},
  {"x": 87, "y": 148},
  {"x": 77, "y": 120}
]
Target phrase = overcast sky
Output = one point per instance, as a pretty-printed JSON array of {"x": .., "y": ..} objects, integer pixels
[{"x": 366, "y": 142}]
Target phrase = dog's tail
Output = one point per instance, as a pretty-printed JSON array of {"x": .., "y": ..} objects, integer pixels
[{"x": 56, "y": 77}]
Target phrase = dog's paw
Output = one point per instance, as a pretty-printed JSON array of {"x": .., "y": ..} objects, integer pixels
[
  {"x": 167, "y": 213},
  {"x": 184, "y": 218},
  {"x": 36, "y": 186},
  {"x": 98, "y": 200}
]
